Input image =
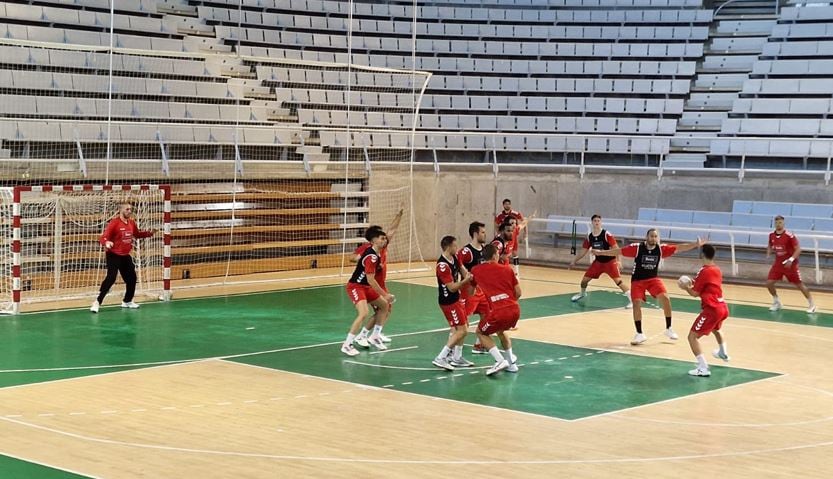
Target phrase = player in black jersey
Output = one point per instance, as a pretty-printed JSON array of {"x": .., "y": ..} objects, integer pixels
[
  {"x": 601, "y": 239},
  {"x": 450, "y": 280},
  {"x": 647, "y": 256}
]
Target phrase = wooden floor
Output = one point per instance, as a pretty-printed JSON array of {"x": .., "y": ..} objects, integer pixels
[{"x": 214, "y": 418}]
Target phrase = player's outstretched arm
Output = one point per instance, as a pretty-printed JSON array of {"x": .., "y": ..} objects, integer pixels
[
  {"x": 394, "y": 225},
  {"x": 690, "y": 246},
  {"x": 607, "y": 252},
  {"x": 578, "y": 258}
]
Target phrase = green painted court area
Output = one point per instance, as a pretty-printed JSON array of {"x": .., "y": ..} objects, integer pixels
[{"x": 299, "y": 331}]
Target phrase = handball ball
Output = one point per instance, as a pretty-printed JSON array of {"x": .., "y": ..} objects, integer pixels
[{"x": 684, "y": 282}]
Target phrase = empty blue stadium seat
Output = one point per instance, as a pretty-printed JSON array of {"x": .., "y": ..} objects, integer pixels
[
  {"x": 771, "y": 208},
  {"x": 741, "y": 206},
  {"x": 823, "y": 225},
  {"x": 647, "y": 214},
  {"x": 683, "y": 236},
  {"x": 799, "y": 223},
  {"x": 674, "y": 216},
  {"x": 812, "y": 211},
  {"x": 751, "y": 221},
  {"x": 725, "y": 238},
  {"x": 711, "y": 218},
  {"x": 620, "y": 231},
  {"x": 759, "y": 240}
]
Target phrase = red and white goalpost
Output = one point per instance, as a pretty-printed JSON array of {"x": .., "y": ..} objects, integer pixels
[{"x": 50, "y": 241}]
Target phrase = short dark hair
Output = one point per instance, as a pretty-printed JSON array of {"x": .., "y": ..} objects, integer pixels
[
  {"x": 779, "y": 217},
  {"x": 373, "y": 233},
  {"x": 506, "y": 222},
  {"x": 648, "y": 233},
  {"x": 708, "y": 251},
  {"x": 506, "y": 200},
  {"x": 594, "y": 217},
  {"x": 474, "y": 227},
  {"x": 446, "y": 241},
  {"x": 489, "y": 251}
]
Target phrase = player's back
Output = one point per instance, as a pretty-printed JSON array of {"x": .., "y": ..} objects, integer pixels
[
  {"x": 709, "y": 281},
  {"x": 497, "y": 282}
]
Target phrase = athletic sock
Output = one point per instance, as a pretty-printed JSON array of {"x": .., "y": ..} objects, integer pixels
[
  {"x": 496, "y": 354},
  {"x": 377, "y": 330},
  {"x": 458, "y": 353},
  {"x": 701, "y": 362},
  {"x": 775, "y": 298},
  {"x": 722, "y": 349},
  {"x": 364, "y": 332},
  {"x": 444, "y": 353},
  {"x": 508, "y": 355},
  {"x": 638, "y": 325},
  {"x": 667, "y": 322},
  {"x": 584, "y": 291},
  {"x": 350, "y": 339}
]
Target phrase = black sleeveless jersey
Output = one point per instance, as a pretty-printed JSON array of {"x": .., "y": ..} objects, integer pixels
[
  {"x": 369, "y": 260},
  {"x": 646, "y": 262},
  {"x": 476, "y": 256},
  {"x": 600, "y": 242},
  {"x": 444, "y": 268}
]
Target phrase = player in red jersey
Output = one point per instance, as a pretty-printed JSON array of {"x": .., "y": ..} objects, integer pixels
[
  {"x": 363, "y": 289},
  {"x": 364, "y": 334},
  {"x": 117, "y": 239},
  {"x": 708, "y": 286},
  {"x": 470, "y": 256},
  {"x": 602, "y": 239},
  {"x": 503, "y": 241},
  {"x": 449, "y": 282},
  {"x": 512, "y": 247},
  {"x": 506, "y": 213},
  {"x": 645, "y": 278},
  {"x": 787, "y": 251},
  {"x": 500, "y": 285}
]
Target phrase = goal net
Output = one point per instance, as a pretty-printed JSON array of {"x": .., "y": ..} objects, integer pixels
[{"x": 51, "y": 249}]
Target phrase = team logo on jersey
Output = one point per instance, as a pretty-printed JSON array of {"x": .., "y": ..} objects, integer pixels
[
  {"x": 699, "y": 324},
  {"x": 443, "y": 267}
]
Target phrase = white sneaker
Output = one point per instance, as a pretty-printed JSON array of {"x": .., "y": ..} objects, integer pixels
[
  {"x": 703, "y": 373},
  {"x": 512, "y": 368},
  {"x": 461, "y": 363},
  {"x": 638, "y": 339},
  {"x": 811, "y": 309},
  {"x": 377, "y": 343},
  {"x": 349, "y": 350},
  {"x": 578, "y": 297},
  {"x": 384, "y": 338},
  {"x": 95, "y": 306},
  {"x": 716, "y": 353},
  {"x": 362, "y": 341},
  {"x": 511, "y": 360},
  {"x": 499, "y": 366},
  {"x": 442, "y": 363},
  {"x": 479, "y": 349},
  {"x": 130, "y": 305},
  {"x": 629, "y": 305},
  {"x": 776, "y": 306},
  {"x": 670, "y": 334}
]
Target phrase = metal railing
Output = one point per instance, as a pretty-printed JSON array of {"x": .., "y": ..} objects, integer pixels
[{"x": 732, "y": 233}]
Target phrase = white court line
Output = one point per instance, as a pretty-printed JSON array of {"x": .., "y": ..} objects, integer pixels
[
  {"x": 607, "y": 460},
  {"x": 52, "y": 466},
  {"x": 406, "y": 368},
  {"x": 392, "y": 350},
  {"x": 749, "y": 425}
]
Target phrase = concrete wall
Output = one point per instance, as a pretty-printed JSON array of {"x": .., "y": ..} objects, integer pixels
[{"x": 448, "y": 202}]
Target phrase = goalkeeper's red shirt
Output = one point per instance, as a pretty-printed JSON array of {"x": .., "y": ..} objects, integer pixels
[{"x": 121, "y": 233}]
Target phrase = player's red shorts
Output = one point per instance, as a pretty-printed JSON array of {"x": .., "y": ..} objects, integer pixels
[
  {"x": 477, "y": 304},
  {"x": 360, "y": 292},
  {"x": 455, "y": 314},
  {"x": 654, "y": 286},
  {"x": 502, "y": 319},
  {"x": 611, "y": 268},
  {"x": 791, "y": 273},
  {"x": 710, "y": 319}
]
